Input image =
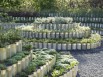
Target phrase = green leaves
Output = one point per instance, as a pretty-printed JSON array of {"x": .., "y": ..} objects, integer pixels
[
  {"x": 2, "y": 67},
  {"x": 9, "y": 37}
]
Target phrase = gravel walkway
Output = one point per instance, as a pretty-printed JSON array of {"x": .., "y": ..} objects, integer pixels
[{"x": 91, "y": 62}]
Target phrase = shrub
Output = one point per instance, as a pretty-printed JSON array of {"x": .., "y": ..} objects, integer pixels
[
  {"x": 18, "y": 57},
  {"x": 27, "y": 47},
  {"x": 26, "y": 52},
  {"x": 2, "y": 67},
  {"x": 30, "y": 69},
  {"x": 22, "y": 74},
  {"x": 11, "y": 61},
  {"x": 21, "y": 54}
]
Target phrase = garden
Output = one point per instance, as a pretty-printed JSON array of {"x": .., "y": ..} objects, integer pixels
[{"x": 51, "y": 38}]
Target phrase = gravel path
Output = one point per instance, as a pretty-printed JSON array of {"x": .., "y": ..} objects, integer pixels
[{"x": 91, "y": 62}]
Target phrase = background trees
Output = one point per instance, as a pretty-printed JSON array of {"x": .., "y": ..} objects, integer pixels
[{"x": 48, "y": 5}]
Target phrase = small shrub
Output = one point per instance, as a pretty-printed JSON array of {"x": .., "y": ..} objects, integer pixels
[
  {"x": 26, "y": 52},
  {"x": 2, "y": 67},
  {"x": 11, "y": 61},
  {"x": 18, "y": 58},
  {"x": 27, "y": 47},
  {"x": 21, "y": 54}
]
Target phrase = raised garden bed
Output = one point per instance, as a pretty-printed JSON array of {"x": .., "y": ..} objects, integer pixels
[
  {"x": 10, "y": 44},
  {"x": 66, "y": 66},
  {"x": 15, "y": 64},
  {"x": 57, "y": 33},
  {"x": 42, "y": 62},
  {"x": 68, "y": 44}
]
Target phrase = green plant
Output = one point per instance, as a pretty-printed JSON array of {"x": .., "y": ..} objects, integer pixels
[
  {"x": 18, "y": 57},
  {"x": 21, "y": 54},
  {"x": 11, "y": 61},
  {"x": 26, "y": 52},
  {"x": 22, "y": 74},
  {"x": 30, "y": 69},
  {"x": 13, "y": 35},
  {"x": 55, "y": 73},
  {"x": 56, "y": 20},
  {"x": 27, "y": 47},
  {"x": 2, "y": 67}
]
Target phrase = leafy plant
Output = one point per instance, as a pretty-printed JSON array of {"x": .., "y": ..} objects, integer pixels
[
  {"x": 27, "y": 47},
  {"x": 21, "y": 54},
  {"x": 18, "y": 57},
  {"x": 11, "y": 61},
  {"x": 57, "y": 20},
  {"x": 22, "y": 74},
  {"x": 56, "y": 73},
  {"x": 2, "y": 67}
]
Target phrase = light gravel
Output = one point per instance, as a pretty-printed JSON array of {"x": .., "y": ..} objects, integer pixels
[{"x": 91, "y": 62}]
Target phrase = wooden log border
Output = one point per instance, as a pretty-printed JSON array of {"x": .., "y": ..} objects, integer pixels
[
  {"x": 44, "y": 69},
  {"x": 16, "y": 68},
  {"x": 10, "y": 50},
  {"x": 67, "y": 46},
  {"x": 71, "y": 73},
  {"x": 43, "y": 35}
]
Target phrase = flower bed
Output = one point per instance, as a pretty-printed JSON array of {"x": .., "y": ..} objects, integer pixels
[
  {"x": 28, "y": 34},
  {"x": 66, "y": 66},
  {"x": 68, "y": 44},
  {"x": 14, "y": 65},
  {"x": 52, "y": 26},
  {"x": 43, "y": 61},
  {"x": 76, "y": 32}
]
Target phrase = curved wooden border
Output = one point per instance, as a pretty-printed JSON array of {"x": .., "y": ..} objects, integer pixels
[
  {"x": 30, "y": 34},
  {"x": 71, "y": 73},
  {"x": 10, "y": 50},
  {"x": 16, "y": 68},
  {"x": 44, "y": 69},
  {"x": 67, "y": 46}
]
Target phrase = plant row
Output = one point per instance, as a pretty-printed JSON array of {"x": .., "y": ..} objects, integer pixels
[
  {"x": 77, "y": 28},
  {"x": 53, "y": 35},
  {"x": 66, "y": 66},
  {"x": 60, "y": 20},
  {"x": 56, "y": 19},
  {"x": 42, "y": 62},
  {"x": 92, "y": 39},
  {"x": 15, "y": 64},
  {"x": 9, "y": 37},
  {"x": 52, "y": 26}
]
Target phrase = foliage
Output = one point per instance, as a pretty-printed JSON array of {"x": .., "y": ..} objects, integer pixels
[
  {"x": 49, "y": 5},
  {"x": 57, "y": 20},
  {"x": 40, "y": 57},
  {"x": 18, "y": 57},
  {"x": 9, "y": 37},
  {"x": 5, "y": 17},
  {"x": 27, "y": 47},
  {"x": 2, "y": 67},
  {"x": 92, "y": 39},
  {"x": 11, "y": 61},
  {"x": 64, "y": 63}
]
